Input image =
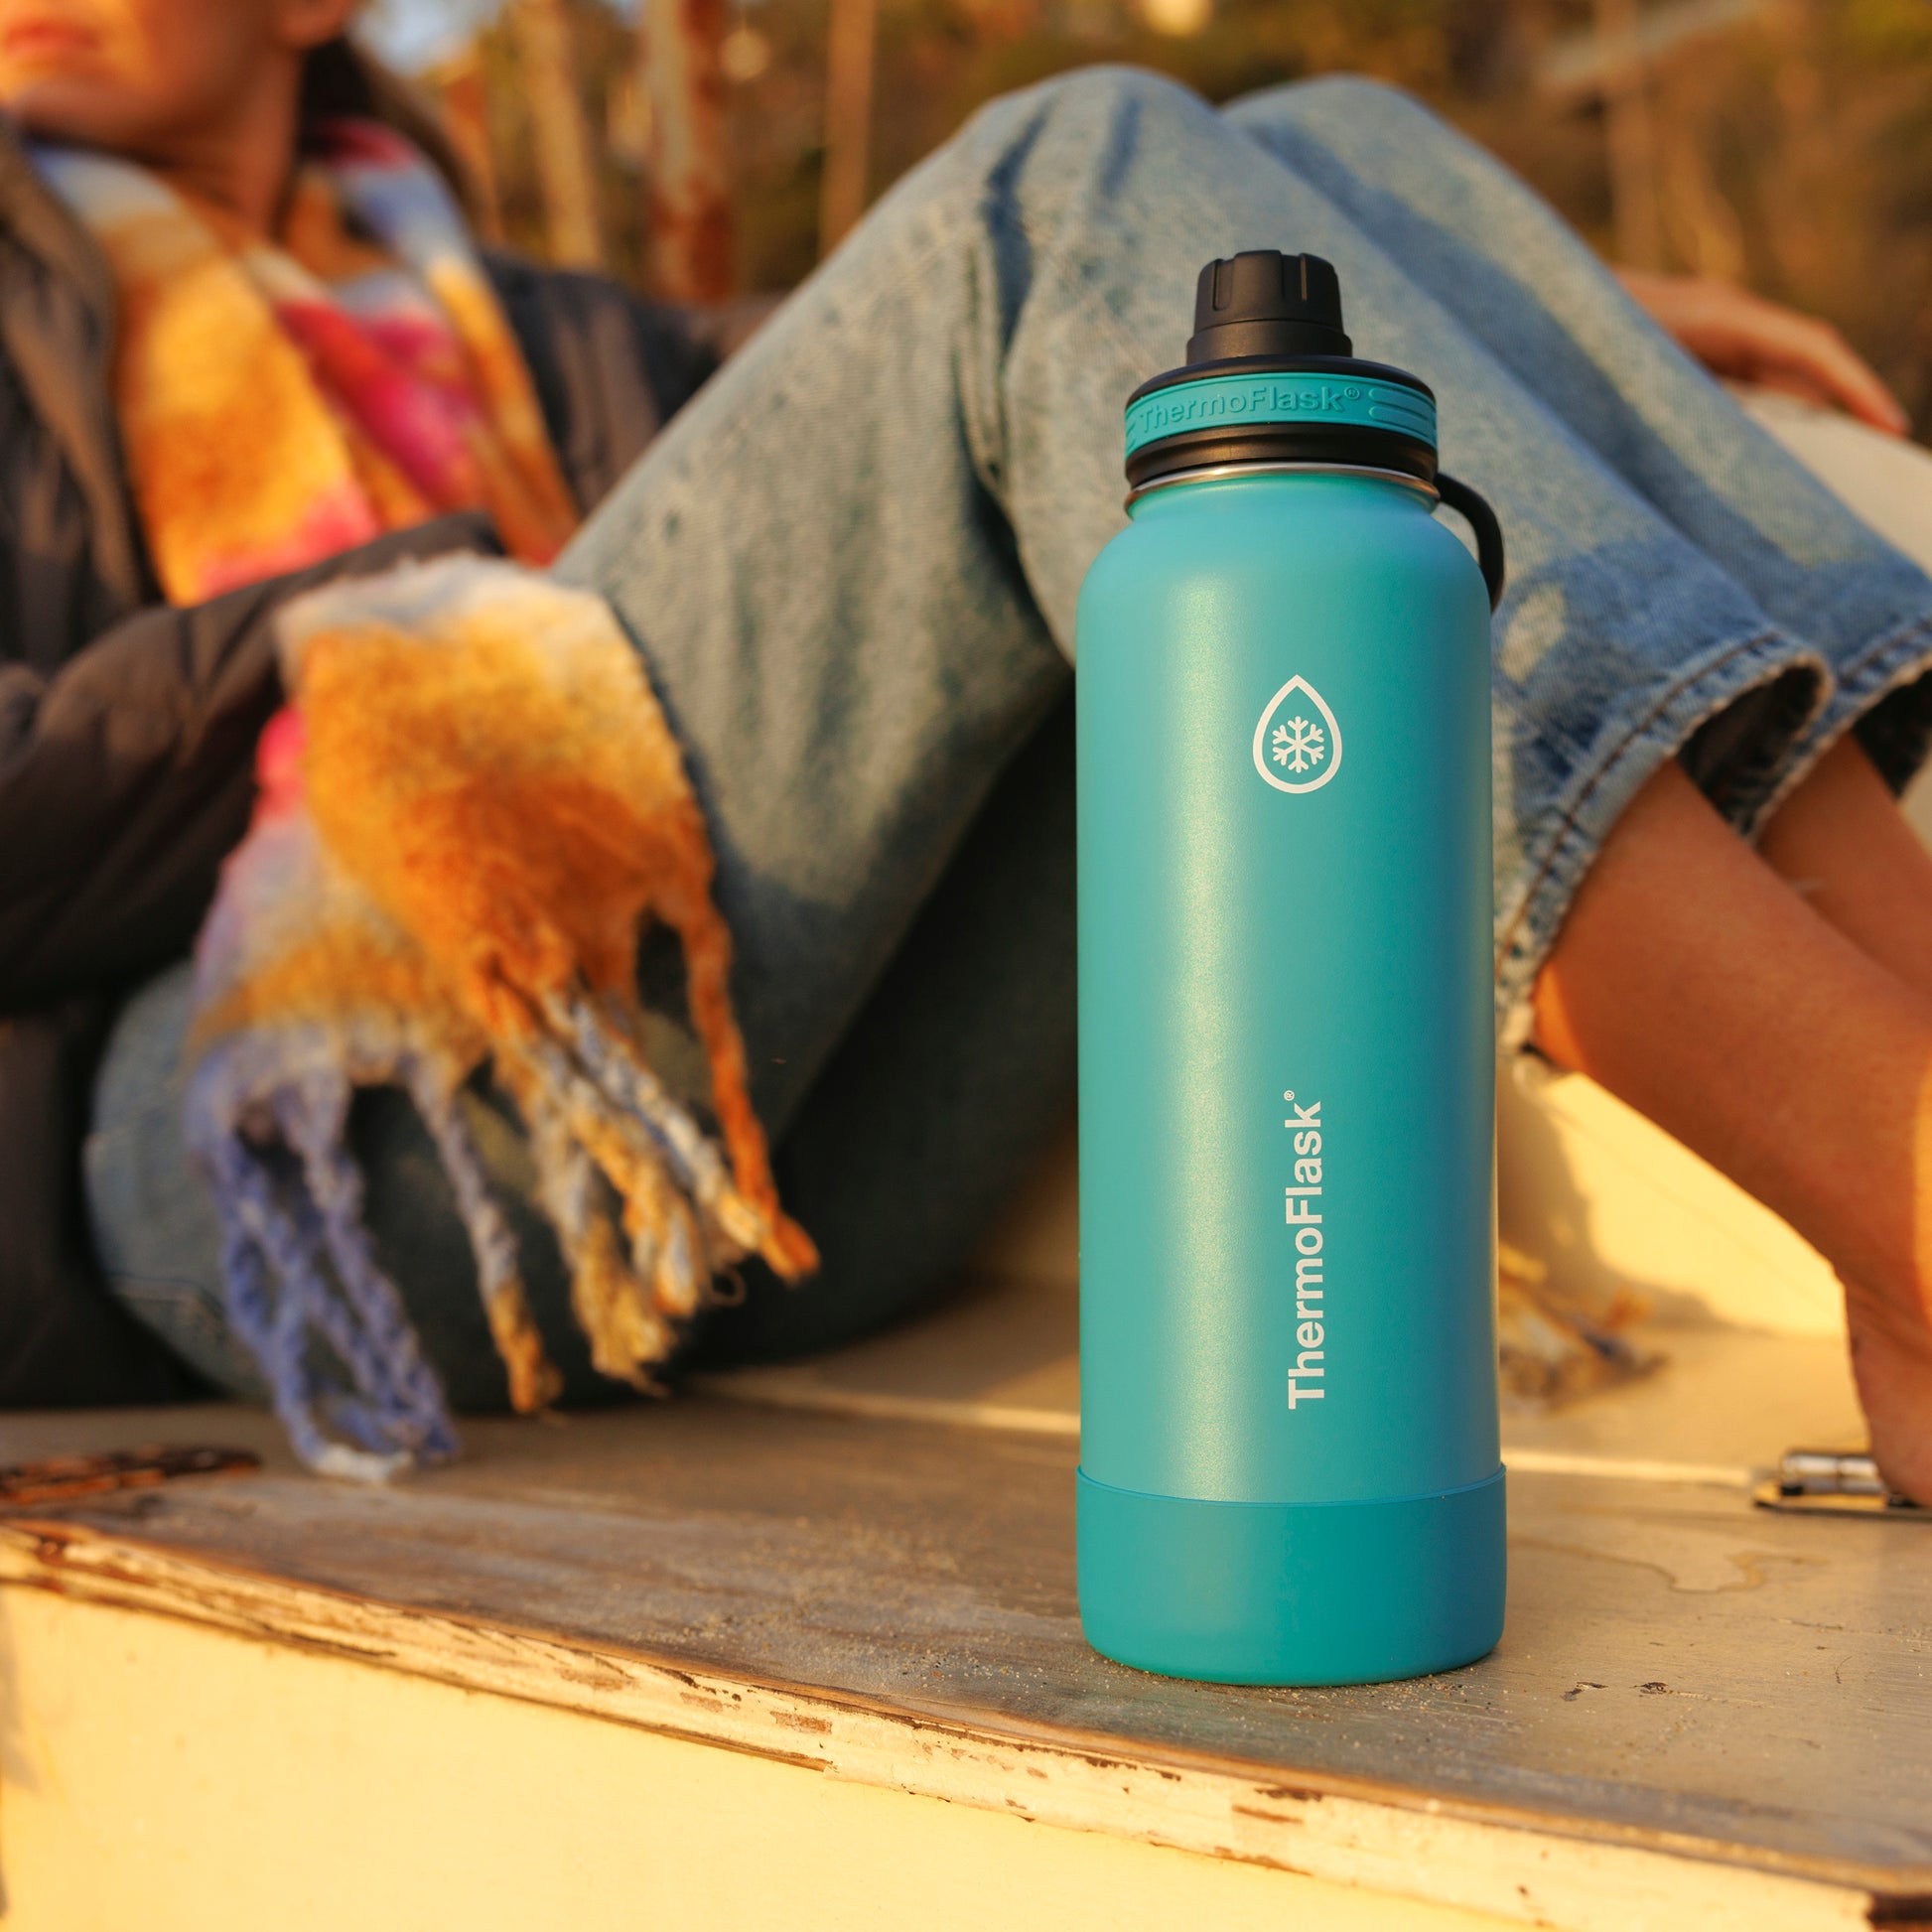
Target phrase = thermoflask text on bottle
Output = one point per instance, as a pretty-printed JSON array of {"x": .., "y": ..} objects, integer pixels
[{"x": 1288, "y": 1459}]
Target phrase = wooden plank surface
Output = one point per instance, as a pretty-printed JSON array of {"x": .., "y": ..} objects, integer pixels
[{"x": 1682, "y": 1676}]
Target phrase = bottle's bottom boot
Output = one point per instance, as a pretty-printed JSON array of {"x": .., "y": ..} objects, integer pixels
[{"x": 1356, "y": 1593}]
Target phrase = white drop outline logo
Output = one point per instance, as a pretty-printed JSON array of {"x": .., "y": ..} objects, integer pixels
[{"x": 1297, "y": 683}]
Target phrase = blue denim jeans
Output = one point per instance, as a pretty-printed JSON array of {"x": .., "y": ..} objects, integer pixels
[{"x": 851, "y": 566}]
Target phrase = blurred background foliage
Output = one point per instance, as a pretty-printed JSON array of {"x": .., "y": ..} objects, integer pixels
[{"x": 1783, "y": 143}]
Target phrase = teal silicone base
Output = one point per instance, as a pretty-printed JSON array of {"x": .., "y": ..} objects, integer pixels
[{"x": 1288, "y": 1592}]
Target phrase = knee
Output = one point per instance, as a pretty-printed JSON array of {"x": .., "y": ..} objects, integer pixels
[
  {"x": 1359, "y": 94},
  {"x": 1106, "y": 91},
  {"x": 1107, "y": 108},
  {"x": 1365, "y": 107}
]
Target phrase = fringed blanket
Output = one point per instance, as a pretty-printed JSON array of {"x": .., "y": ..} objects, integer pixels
[{"x": 464, "y": 823}]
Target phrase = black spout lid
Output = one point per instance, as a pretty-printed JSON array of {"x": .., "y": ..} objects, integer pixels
[
  {"x": 1265, "y": 303},
  {"x": 1259, "y": 315}
]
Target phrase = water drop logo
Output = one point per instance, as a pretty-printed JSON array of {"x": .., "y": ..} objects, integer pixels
[{"x": 1298, "y": 743}]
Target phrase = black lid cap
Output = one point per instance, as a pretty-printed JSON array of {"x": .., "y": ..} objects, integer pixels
[{"x": 1265, "y": 303}]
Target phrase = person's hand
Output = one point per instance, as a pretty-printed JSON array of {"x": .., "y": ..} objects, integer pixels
[{"x": 1742, "y": 337}]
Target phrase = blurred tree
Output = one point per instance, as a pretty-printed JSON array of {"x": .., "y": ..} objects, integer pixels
[
  {"x": 1630, "y": 138},
  {"x": 457, "y": 80},
  {"x": 612, "y": 117},
  {"x": 850, "y": 53},
  {"x": 688, "y": 200},
  {"x": 547, "y": 66}
]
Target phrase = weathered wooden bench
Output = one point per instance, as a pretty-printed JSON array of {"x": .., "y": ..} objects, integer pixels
[{"x": 803, "y": 1648}]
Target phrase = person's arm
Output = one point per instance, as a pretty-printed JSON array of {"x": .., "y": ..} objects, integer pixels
[
  {"x": 1742, "y": 337},
  {"x": 126, "y": 776}
]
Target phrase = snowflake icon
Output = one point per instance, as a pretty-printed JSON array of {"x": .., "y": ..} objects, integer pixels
[{"x": 1297, "y": 744}]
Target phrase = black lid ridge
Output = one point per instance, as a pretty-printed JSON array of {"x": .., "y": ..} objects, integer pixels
[{"x": 1264, "y": 303}]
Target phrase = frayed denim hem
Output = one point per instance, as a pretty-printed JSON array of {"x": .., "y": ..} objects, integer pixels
[
  {"x": 1884, "y": 694},
  {"x": 1532, "y": 912}
]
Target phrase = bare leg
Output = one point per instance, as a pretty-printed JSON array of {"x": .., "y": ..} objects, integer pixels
[
  {"x": 1693, "y": 981},
  {"x": 1842, "y": 843}
]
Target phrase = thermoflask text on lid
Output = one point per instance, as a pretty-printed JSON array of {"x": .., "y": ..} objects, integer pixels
[{"x": 1290, "y": 1470}]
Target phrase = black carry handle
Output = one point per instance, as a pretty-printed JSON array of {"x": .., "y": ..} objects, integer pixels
[{"x": 1482, "y": 520}]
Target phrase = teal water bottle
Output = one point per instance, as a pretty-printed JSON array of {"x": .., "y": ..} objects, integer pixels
[{"x": 1289, "y": 1461}]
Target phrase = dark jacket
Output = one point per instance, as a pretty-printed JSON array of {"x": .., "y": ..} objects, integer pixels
[{"x": 128, "y": 728}]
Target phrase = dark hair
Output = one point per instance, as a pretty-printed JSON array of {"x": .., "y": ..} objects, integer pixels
[{"x": 340, "y": 77}]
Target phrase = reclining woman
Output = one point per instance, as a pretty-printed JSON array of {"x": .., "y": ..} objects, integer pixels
[{"x": 849, "y": 565}]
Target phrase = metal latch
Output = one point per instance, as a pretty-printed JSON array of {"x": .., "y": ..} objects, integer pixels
[{"x": 1833, "y": 1482}]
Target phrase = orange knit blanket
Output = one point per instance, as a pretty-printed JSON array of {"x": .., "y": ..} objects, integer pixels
[{"x": 465, "y": 824}]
